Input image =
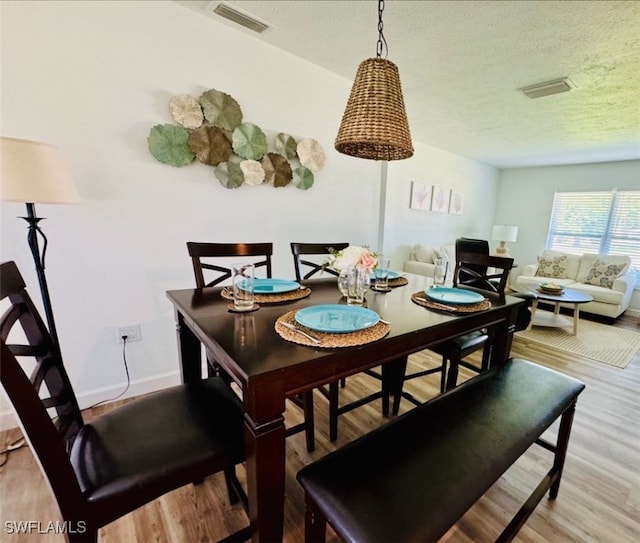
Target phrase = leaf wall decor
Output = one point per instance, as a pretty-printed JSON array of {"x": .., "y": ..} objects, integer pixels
[
  {"x": 249, "y": 141},
  {"x": 277, "y": 170},
  {"x": 210, "y": 145},
  {"x": 229, "y": 173},
  {"x": 168, "y": 143},
  {"x": 210, "y": 129},
  {"x": 253, "y": 172},
  {"x": 220, "y": 109},
  {"x": 302, "y": 178},
  {"x": 286, "y": 146},
  {"x": 186, "y": 111}
]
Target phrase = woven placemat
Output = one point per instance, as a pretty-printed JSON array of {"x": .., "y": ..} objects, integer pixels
[
  {"x": 398, "y": 282},
  {"x": 420, "y": 298},
  {"x": 329, "y": 341},
  {"x": 297, "y": 294}
]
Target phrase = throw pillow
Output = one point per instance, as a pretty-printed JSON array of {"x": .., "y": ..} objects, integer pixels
[
  {"x": 423, "y": 254},
  {"x": 552, "y": 266},
  {"x": 603, "y": 273}
]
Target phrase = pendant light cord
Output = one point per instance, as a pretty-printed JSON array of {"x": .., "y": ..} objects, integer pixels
[{"x": 382, "y": 43}]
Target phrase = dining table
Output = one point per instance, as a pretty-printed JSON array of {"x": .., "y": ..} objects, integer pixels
[{"x": 269, "y": 366}]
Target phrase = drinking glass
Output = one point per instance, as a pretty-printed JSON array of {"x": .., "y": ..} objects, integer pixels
[
  {"x": 358, "y": 280},
  {"x": 440, "y": 271},
  {"x": 243, "y": 285},
  {"x": 381, "y": 274}
]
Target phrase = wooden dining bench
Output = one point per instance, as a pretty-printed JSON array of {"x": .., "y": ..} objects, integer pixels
[{"x": 412, "y": 479}]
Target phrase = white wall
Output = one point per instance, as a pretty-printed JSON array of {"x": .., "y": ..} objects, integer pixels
[
  {"x": 405, "y": 227},
  {"x": 525, "y": 199},
  {"x": 92, "y": 78}
]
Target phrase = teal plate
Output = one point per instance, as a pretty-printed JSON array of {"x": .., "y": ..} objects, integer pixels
[
  {"x": 392, "y": 275},
  {"x": 336, "y": 318},
  {"x": 274, "y": 286},
  {"x": 452, "y": 295}
]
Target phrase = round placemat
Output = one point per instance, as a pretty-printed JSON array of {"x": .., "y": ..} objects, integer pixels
[
  {"x": 328, "y": 341},
  {"x": 297, "y": 294},
  {"x": 398, "y": 282},
  {"x": 420, "y": 298}
]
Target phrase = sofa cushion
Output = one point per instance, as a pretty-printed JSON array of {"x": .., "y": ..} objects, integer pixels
[
  {"x": 573, "y": 261},
  {"x": 603, "y": 273},
  {"x": 423, "y": 254},
  {"x": 588, "y": 259},
  {"x": 552, "y": 266}
]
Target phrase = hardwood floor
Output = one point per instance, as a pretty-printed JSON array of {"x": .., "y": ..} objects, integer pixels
[{"x": 599, "y": 498}]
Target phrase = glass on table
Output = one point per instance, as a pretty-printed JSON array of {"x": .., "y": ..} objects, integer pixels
[
  {"x": 381, "y": 274},
  {"x": 243, "y": 277}
]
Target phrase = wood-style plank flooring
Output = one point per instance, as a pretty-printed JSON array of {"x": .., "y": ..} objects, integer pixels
[{"x": 599, "y": 498}]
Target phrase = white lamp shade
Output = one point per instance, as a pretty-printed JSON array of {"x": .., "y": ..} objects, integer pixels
[
  {"x": 34, "y": 172},
  {"x": 502, "y": 232}
]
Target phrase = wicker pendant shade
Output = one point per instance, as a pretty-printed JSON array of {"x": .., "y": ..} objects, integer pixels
[{"x": 374, "y": 124}]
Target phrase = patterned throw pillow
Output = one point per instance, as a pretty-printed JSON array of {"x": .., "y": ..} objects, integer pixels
[
  {"x": 603, "y": 273},
  {"x": 552, "y": 266}
]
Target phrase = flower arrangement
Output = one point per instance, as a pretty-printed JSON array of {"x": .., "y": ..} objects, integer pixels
[{"x": 353, "y": 255}]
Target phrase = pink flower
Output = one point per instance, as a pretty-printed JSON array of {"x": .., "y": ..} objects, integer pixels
[{"x": 368, "y": 260}]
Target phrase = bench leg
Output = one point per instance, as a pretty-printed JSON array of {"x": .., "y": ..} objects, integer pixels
[{"x": 315, "y": 523}]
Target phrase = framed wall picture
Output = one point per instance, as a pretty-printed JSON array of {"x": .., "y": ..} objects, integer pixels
[
  {"x": 440, "y": 200},
  {"x": 456, "y": 205},
  {"x": 420, "y": 196}
]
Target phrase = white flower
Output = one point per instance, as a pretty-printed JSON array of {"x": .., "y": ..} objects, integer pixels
[{"x": 352, "y": 256}]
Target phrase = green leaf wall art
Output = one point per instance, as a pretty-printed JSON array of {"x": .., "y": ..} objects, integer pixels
[
  {"x": 210, "y": 129},
  {"x": 169, "y": 144}
]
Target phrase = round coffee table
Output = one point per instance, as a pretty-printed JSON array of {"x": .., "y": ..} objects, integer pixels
[{"x": 546, "y": 318}]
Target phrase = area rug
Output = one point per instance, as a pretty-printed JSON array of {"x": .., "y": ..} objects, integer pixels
[{"x": 608, "y": 344}]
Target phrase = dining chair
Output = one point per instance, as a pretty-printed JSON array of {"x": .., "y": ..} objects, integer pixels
[
  {"x": 301, "y": 257},
  {"x": 482, "y": 273},
  {"x": 104, "y": 469},
  {"x": 302, "y": 263},
  {"x": 204, "y": 257}
]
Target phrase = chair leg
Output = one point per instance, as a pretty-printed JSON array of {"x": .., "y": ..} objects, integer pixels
[
  {"x": 309, "y": 420},
  {"x": 333, "y": 410},
  {"x": 452, "y": 374}
]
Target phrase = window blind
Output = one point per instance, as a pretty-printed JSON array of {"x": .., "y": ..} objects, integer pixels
[{"x": 602, "y": 222}]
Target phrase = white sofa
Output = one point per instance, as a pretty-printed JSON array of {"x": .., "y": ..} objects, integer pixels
[
  {"x": 421, "y": 259},
  {"x": 577, "y": 272}
]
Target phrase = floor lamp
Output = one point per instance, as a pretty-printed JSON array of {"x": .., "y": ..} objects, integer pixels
[{"x": 36, "y": 173}]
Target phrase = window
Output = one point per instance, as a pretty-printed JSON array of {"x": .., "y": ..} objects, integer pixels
[{"x": 603, "y": 222}]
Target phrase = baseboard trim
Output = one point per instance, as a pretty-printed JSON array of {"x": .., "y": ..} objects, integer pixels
[{"x": 8, "y": 418}]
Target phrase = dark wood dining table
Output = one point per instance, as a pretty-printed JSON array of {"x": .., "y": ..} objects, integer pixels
[{"x": 268, "y": 368}]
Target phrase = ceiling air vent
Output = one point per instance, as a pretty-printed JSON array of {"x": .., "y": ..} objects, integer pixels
[
  {"x": 548, "y": 88},
  {"x": 238, "y": 17}
]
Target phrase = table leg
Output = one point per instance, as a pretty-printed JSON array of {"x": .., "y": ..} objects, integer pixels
[
  {"x": 265, "y": 465},
  {"x": 534, "y": 306},
  {"x": 189, "y": 352},
  {"x": 576, "y": 316}
]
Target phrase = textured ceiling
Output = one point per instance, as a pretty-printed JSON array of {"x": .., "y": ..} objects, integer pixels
[{"x": 461, "y": 63}]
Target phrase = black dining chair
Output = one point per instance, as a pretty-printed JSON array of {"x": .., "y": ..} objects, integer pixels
[
  {"x": 106, "y": 468},
  {"x": 482, "y": 273},
  {"x": 306, "y": 268},
  {"x": 205, "y": 257}
]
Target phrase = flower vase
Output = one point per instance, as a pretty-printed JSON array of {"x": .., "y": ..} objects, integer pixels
[{"x": 353, "y": 283}]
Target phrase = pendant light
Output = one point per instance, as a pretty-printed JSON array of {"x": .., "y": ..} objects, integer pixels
[{"x": 374, "y": 124}]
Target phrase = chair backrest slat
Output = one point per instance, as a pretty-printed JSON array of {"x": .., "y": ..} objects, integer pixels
[
  {"x": 473, "y": 270},
  {"x": 299, "y": 249},
  {"x": 203, "y": 250}
]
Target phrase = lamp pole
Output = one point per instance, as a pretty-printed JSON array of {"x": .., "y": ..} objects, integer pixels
[{"x": 38, "y": 258}]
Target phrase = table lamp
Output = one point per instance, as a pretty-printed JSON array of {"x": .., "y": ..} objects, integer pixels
[
  {"x": 34, "y": 172},
  {"x": 504, "y": 233}
]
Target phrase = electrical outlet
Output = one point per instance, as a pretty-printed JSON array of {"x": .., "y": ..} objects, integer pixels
[{"x": 132, "y": 332}]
